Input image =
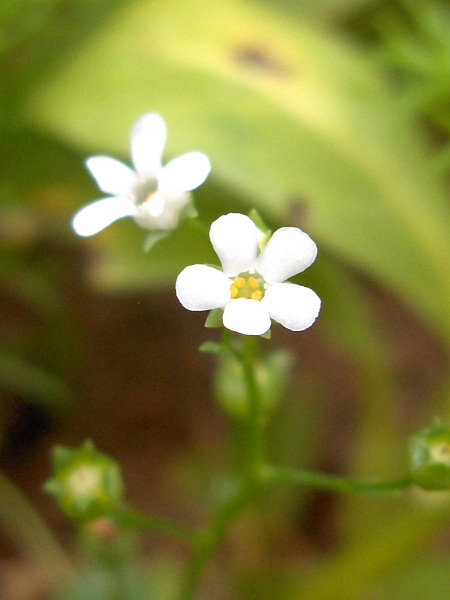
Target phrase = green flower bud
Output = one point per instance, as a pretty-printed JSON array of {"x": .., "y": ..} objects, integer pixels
[
  {"x": 87, "y": 484},
  {"x": 429, "y": 457},
  {"x": 231, "y": 387}
]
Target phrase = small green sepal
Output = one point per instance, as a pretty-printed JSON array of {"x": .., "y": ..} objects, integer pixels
[
  {"x": 429, "y": 457},
  {"x": 154, "y": 237},
  {"x": 189, "y": 212},
  {"x": 86, "y": 483},
  {"x": 211, "y": 348},
  {"x": 215, "y": 319}
]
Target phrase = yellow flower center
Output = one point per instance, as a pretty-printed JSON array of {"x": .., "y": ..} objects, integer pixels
[{"x": 247, "y": 285}]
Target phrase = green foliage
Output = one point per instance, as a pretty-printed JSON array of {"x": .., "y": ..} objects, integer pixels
[
  {"x": 414, "y": 45},
  {"x": 19, "y": 377}
]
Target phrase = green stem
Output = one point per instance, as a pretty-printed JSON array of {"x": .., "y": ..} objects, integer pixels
[
  {"x": 253, "y": 453},
  {"x": 331, "y": 483},
  {"x": 134, "y": 519},
  {"x": 209, "y": 540},
  {"x": 27, "y": 529}
]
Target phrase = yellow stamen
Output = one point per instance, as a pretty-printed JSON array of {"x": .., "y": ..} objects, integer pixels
[
  {"x": 234, "y": 291},
  {"x": 257, "y": 295},
  {"x": 247, "y": 286}
]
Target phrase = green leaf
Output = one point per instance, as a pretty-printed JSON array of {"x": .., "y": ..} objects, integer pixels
[
  {"x": 36, "y": 385},
  {"x": 428, "y": 578},
  {"x": 293, "y": 121}
]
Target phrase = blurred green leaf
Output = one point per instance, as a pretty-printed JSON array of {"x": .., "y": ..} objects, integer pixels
[
  {"x": 351, "y": 573},
  {"x": 429, "y": 578},
  {"x": 292, "y": 120},
  {"x": 33, "y": 37},
  {"x": 415, "y": 46},
  {"x": 18, "y": 376},
  {"x": 325, "y": 11},
  {"x": 29, "y": 286}
]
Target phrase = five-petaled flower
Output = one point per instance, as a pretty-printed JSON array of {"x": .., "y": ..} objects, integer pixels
[
  {"x": 250, "y": 289},
  {"x": 152, "y": 194}
]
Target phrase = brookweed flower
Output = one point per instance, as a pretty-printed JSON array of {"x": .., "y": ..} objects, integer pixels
[
  {"x": 250, "y": 289},
  {"x": 152, "y": 194}
]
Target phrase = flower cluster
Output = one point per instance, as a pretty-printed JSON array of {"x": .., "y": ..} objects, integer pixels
[
  {"x": 152, "y": 194},
  {"x": 250, "y": 288}
]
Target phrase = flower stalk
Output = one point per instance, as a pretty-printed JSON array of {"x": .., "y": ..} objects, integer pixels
[
  {"x": 139, "y": 521},
  {"x": 209, "y": 540},
  {"x": 255, "y": 425},
  {"x": 328, "y": 482}
]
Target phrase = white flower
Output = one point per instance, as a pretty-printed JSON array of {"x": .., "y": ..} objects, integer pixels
[
  {"x": 152, "y": 194},
  {"x": 250, "y": 290}
]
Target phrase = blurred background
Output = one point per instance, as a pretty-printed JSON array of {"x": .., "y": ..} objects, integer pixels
[{"x": 331, "y": 116}]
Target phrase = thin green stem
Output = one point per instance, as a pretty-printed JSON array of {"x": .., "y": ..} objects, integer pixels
[
  {"x": 254, "y": 450},
  {"x": 210, "y": 539},
  {"x": 251, "y": 455},
  {"x": 331, "y": 483},
  {"x": 29, "y": 532},
  {"x": 134, "y": 519}
]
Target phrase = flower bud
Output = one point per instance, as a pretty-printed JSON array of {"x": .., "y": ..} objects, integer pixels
[
  {"x": 87, "y": 484},
  {"x": 231, "y": 386},
  {"x": 429, "y": 457}
]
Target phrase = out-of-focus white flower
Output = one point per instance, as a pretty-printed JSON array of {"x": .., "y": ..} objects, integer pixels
[
  {"x": 152, "y": 194},
  {"x": 250, "y": 290}
]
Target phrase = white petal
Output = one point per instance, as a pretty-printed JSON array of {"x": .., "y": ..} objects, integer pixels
[
  {"x": 199, "y": 287},
  {"x": 112, "y": 175},
  {"x": 288, "y": 252},
  {"x": 184, "y": 173},
  {"x": 248, "y": 317},
  {"x": 148, "y": 139},
  {"x": 234, "y": 238},
  {"x": 294, "y": 306},
  {"x": 94, "y": 217}
]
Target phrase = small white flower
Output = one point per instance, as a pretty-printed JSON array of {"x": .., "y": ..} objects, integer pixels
[
  {"x": 250, "y": 290},
  {"x": 152, "y": 194}
]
